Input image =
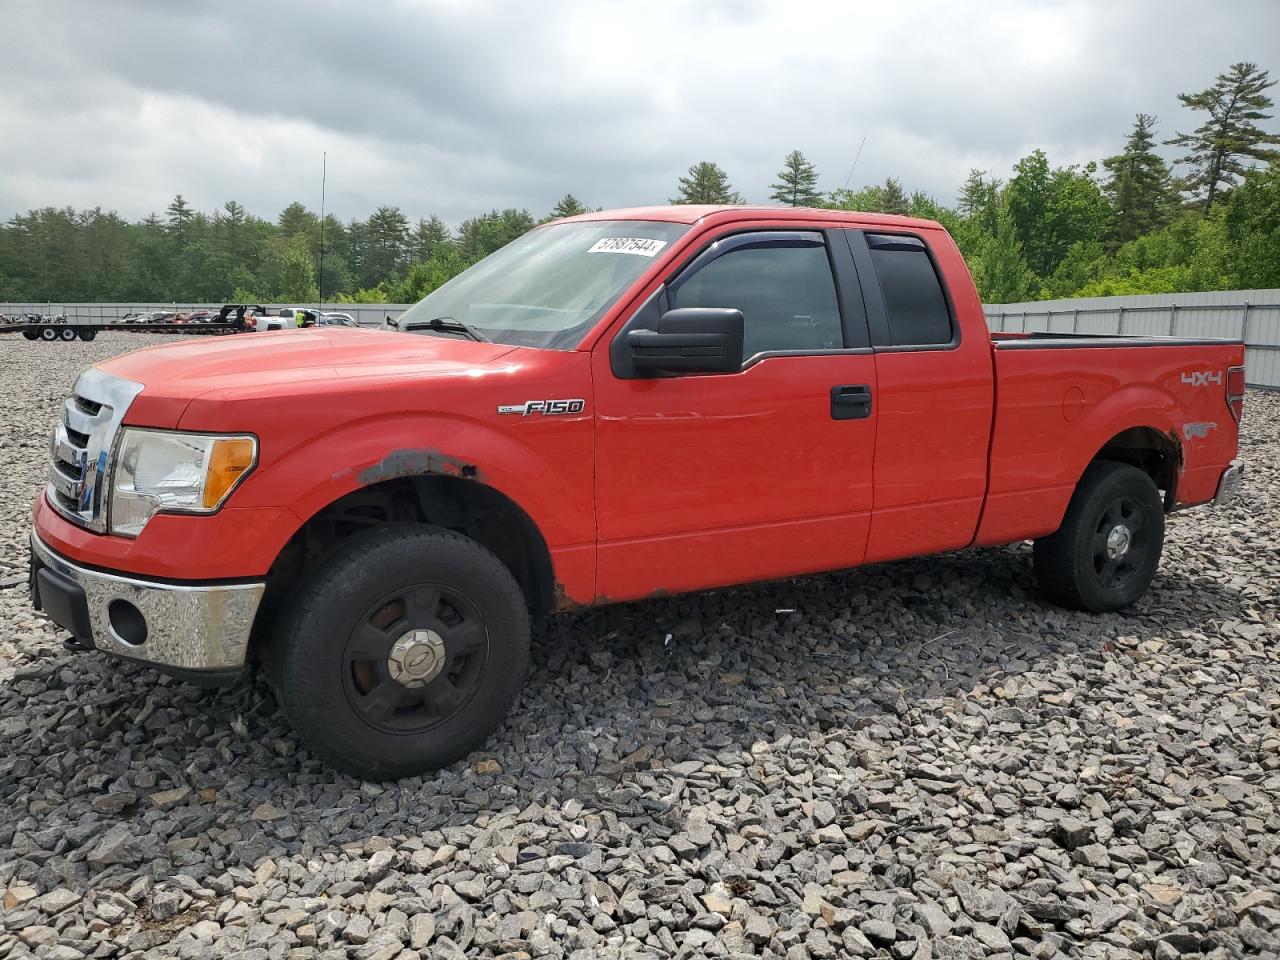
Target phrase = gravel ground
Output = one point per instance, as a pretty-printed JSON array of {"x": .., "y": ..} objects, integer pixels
[{"x": 915, "y": 760}]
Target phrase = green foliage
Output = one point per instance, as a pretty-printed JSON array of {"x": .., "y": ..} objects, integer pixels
[
  {"x": 1054, "y": 209},
  {"x": 706, "y": 183},
  {"x": 292, "y": 271},
  {"x": 424, "y": 277},
  {"x": 379, "y": 294},
  {"x": 999, "y": 270},
  {"x": 569, "y": 206},
  {"x": 797, "y": 184},
  {"x": 1219, "y": 147},
  {"x": 481, "y": 236},
  {"x": 1139, "y": 187}
]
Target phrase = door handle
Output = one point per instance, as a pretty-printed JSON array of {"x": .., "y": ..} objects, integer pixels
[{"x": 851, "y": 402}]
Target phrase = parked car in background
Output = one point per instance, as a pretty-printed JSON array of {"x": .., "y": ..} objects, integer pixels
[{"x": 338, "y": 320}]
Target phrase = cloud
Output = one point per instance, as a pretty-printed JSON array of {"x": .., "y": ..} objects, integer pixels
[{"x": 456, "y": 107}]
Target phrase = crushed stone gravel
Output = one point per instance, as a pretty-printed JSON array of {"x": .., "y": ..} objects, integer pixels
[{"x": 917, "y": 760}]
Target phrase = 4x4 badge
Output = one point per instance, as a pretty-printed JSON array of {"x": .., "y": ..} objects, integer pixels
[{"x": 548, "y": 408}]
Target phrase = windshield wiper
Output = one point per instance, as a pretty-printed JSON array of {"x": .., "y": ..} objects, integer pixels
[{"x": 449, "y": 325}]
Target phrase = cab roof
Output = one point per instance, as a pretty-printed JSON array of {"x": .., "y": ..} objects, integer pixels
[{"x": 695, "y": 213}]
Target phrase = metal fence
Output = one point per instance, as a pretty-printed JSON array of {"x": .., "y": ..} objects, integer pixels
[
  {"x": 1249, "y": 315},
  {"x": 366, "y": 314}
]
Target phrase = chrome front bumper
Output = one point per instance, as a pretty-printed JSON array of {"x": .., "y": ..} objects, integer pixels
[
  {"x": 1231, "y": 482},
  {"x": 186, "y": 628}
]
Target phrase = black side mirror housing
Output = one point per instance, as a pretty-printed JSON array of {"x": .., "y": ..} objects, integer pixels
[{"x": 690, "y": 340}]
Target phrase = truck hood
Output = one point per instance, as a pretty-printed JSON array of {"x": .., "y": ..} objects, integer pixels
[{"x": 261, "y": 366}]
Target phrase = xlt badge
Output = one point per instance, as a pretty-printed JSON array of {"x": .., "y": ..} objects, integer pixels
[{"x": 548, "y": 408}]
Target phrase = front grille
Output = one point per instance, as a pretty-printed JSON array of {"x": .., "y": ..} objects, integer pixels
[{"x": 81, "y": 446}]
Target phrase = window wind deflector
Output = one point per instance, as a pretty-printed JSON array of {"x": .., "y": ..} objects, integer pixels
[
  {"x": 887, "y": 241},
  {"x": 449, "y": 325}
]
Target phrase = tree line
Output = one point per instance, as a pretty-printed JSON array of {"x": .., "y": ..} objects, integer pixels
[{"x": 1128, "y": 223}]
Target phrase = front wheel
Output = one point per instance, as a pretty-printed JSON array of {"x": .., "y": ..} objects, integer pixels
[
  {"x": 401, "y": 652},
  {"x": 1105, "y": 554}
]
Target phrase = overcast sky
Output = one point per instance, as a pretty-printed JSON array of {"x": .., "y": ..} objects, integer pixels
[{"x": 458, "y": 106}]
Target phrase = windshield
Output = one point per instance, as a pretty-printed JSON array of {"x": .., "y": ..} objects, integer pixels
[{"x": 547, "y": 288}]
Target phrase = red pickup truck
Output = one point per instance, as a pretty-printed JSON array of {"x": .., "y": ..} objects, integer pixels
[{"x": 620, "y": 405}]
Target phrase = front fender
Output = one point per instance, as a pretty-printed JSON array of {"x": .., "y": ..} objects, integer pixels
[{"x": 546, "y": 471}]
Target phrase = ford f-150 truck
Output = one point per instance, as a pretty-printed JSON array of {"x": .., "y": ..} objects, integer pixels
[{"x": 620, "y": 405}]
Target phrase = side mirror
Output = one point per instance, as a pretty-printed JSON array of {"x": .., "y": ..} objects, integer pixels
[{"x": 690, "y": 340}]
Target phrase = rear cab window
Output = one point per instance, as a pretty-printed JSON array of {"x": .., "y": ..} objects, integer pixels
[{"x": 915, "y": 306}]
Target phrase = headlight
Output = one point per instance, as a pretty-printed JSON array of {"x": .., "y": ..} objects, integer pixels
[{"x": 161, "y": 471}]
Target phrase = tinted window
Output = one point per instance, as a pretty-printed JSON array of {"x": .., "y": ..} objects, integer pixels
[
  {"x": 785, "y": 292},
  {"x": 913, "y": 296}
]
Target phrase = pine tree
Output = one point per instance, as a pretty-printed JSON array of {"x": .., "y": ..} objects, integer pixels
[
  {"x": 979, "y": 200},
  {"x": 797, "y": 184},
  {"x": 1000, "y": 271},
  {"x": 179, "y": 217},
  {"x": 893, "y": 199},
  {"x": 1140, "y": 188},
  {"x": 427, "y": 237},
  {"x": 569, "y": 206},
  {"x": 706, "y": 183},
  {"x": 1217, "y": 150}
]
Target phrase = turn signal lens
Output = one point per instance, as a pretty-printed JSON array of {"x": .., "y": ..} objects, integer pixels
[{"x": 228, "y": 461}]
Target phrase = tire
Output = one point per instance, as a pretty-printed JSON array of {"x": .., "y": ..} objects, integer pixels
[
  {"x": 31, "y": 334},
  {"x": 67, "y": 334},
  {"x": 48, "y": 334},
  {"x": 87, "y": 334},
  {"x": 1105, "y": 554},
  {"x": 353, "y": 654}
]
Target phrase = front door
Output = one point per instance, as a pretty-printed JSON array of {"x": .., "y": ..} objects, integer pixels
[{"x": 711, "y": 479}]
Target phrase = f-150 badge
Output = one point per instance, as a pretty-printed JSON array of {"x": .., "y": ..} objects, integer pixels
[{"x": 547, "y": 408}]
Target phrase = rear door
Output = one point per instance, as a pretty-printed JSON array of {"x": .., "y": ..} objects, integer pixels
[
  {"x": 713, "y": 479},
  {"x": 934, "y": 394}
]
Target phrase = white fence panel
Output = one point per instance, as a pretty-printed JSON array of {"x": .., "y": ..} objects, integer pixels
[{"x": 1249, "y": 315}]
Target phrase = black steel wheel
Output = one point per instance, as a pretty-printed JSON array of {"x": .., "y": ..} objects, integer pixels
[
  {"x": 48, "y": 334},
  {"x": 87, "y": 334},
  {"x": 415, "y": 658},
  {"x": 401, "y": 651},
  {"x": 67, "y": 334},
  {"x": 1105, "y": 554}
]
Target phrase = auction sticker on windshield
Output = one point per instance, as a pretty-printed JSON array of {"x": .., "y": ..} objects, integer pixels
[{"x": 640, "y": 246}]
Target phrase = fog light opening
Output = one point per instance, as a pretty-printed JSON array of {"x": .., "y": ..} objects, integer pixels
[{"x": 127, "y": 623}]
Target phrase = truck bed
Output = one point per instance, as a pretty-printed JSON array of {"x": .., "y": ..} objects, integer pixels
[{"x": 1056, "y": 409}]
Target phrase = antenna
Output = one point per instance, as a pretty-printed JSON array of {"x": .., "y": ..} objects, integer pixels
[
  {"x": 855, "y": 162},
  {"x": 324, "y": 163}
]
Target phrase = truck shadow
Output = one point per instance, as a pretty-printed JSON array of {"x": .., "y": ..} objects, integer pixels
[{"x": 615, "y": 698}]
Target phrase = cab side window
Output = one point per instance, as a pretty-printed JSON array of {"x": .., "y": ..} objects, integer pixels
[
  {"x": 784, "y": 289},
  {"x": 913, "y": 299}
]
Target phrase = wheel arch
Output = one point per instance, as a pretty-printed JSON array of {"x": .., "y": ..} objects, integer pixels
[{"x": 1157, "y": 454}]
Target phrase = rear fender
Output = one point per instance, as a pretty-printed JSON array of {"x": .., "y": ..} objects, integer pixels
[{"x": 1136, "y": 406}]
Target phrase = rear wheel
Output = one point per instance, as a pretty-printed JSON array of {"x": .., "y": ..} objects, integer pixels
[
  {"x": 48, "y": 334},
  {"x": 67, "y": 333},
  {"x": 402, "y": 652},
  {"x": 1105, "y": 554},
  {"x": 87, "y": 333}
]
